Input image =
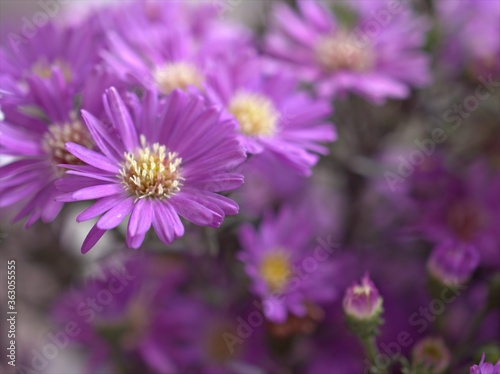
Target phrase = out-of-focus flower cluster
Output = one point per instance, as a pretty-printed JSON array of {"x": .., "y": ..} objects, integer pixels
[{"x": 321, "y": 195}]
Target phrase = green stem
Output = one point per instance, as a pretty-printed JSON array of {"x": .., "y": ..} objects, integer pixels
[{"x": 370, "y": 348}]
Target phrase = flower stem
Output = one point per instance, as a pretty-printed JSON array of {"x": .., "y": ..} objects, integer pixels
[{"x": 370, "y": 348}]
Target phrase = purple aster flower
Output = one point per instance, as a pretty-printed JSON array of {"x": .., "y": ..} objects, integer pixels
[
  {"x": 379, "y": 57},
  {"x": 362, "y": 301},
  {"x": 453, "y": 263},
  {"x": 69, "y": 50},
  {"x": 169, "y": 159},
  {"x": 270, "y": 111},
  {"x": 122, "y": 310},
  {"x": 144, "y": 51},
  {"x": 469, "y": 213},
  {"x": 34, "y": 132},
  {"x": 285, "y": 269},
  {"x": 431, "y": 355},
  {"x": 471, "y": 36},
  {"x": 485, "y": 367}
]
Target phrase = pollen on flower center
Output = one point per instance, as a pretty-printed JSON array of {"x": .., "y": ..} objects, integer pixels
[
  {"x": 362, "y": 290},
  {"x": 256, "y": 114},
  {"x": 152, "y": 172},
  {"x": 57, "y": 135},
  {"x": 177, "y": 75},
  {"x": 343, "y": 51},
  {"x": 43, "y": 68},
  {"x": 275, "y": 269}
]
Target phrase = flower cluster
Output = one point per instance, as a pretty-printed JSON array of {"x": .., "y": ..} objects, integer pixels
[{"x": 317, "y": 193}]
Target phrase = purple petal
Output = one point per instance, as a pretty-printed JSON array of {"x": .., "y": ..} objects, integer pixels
[
  {"x": 92, "y": 158},
  {"x": 140, "y": 220},
  {"x": 121, "y": 118},
  {"x": 92, "y": 238},
  {"x": 115, "y": 215}
]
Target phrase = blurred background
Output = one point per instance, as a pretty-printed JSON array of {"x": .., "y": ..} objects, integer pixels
[{"x": 385, "y": 213}]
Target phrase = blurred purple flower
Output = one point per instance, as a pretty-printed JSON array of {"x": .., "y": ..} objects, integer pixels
[
  {"x": 270, "y": 111},
  {"x": 485, "y": 367},
  {"x": 35, "y": 131},
  {"x": 471, "y": 36},
  {"x": 452, "y": 263},
  {"x": 379, "y": 57},
  {"x": 275, "y": 259},
  {"x": 155, "y": 168}
]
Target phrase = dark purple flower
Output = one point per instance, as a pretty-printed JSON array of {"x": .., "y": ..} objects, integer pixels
[
  {"x": 485, "y": 367},
  {"x": 169, "y": 159},
  {"x": 362, "y": 301},
  {"x": 372, "y": 59}
]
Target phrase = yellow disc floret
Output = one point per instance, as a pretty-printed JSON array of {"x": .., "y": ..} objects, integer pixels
[
  {"x": 177, "y": 75},
  {"x": 152, "y": 172},
  {"x": 256, "y": 114},
  {"x": 275, "y": 269}
]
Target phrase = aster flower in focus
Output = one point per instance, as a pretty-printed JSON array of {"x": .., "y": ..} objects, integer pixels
[
  {"x": 287, "y": 272},
  {"x": 471, "y": 36},
  {"x": 34, "y": 133},
  {"x": 485, "y": 367},
  {"x": 169, "y": 159},
  {"x": 270, "y": 112},
  {"x": 375, "y": 60}
]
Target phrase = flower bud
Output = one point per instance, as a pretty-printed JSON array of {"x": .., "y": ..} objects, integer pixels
[
  {"x": 430, "y": 355},
  {"x": 452, "y": 264},
  {"x": 363, "y": 307}
]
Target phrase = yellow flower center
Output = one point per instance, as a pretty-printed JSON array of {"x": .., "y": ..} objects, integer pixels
[
  {"x": 275, "y": 269},
  {"x": 178, "y": 75},
  {"x": 343, "y": 51},
  {"x": 362, "y": 290},
  {"x": 152, "y": 172},
  {"x": 256, "y": 114},
  {"x": 43, "y": 68},
  {"x": 57, "y": 135}
]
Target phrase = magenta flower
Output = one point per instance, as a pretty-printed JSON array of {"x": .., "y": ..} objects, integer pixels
[
  {"x": 471, "y": 36},
  {"x": 169, "y": 159},
  {"x": 485, "y": 367},
  {"x": 453, "y": 263},
  {"x": 287, "y": 272},
  {"x": 69, "y": 50},
  {"x": 270, "y": 112},
  {"x": 362, "y": 301},
  {"x": 36, "y": 140},
  {"x": 378, "y": 58},
  {"x": 143, "y": 51}
]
